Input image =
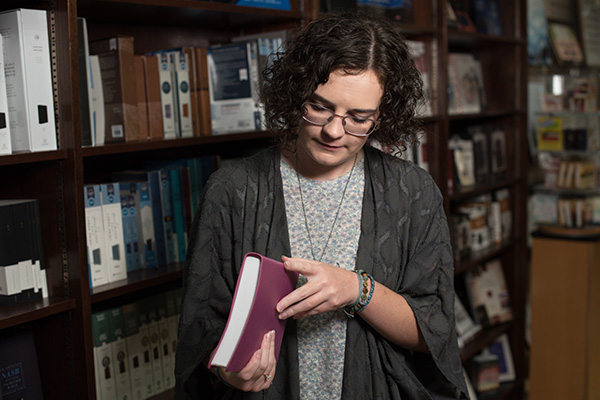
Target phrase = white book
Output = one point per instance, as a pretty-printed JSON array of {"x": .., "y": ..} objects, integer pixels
[
  {"x": 96, "y": 102},
  {"x": 167, "y": 99},
  {"x": 119, "y": 354},
  {"x": 143, "y": 340},
  {"x": 168, "y": 361},
  {"x": 103, "y": 357},
  {"x": 5, "y": 145},
  {"x": 156, "y": 354},
  {"x": 28, "y": 80},
  {"x": 94, "y": 226},
  {"x": 135, "y": 351},
  {"x": 114, "y": 243},
  {"x": 183, "y": 92}
]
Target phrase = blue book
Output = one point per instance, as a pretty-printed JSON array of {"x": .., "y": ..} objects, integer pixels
[
  {"x": 146, "y": 223},
  {"x": 154, "y": 183},
  {"x": 272, "y": 4},
  {"x": 167, "y": 211},
  {"x": 133, "y": 256},
  {"x": 179, "y": 223}
]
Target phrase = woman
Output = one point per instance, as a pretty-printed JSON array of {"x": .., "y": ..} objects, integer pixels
[{"x": 335, "y": 206}]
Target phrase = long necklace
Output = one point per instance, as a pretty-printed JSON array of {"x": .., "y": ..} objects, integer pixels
[{"x": 336, "y": 213}]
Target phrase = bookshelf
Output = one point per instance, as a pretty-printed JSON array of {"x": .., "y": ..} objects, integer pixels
[{"x": 57, "y": 178}]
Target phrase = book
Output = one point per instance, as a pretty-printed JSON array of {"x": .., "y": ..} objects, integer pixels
[
  {"x": 550, "y": 133},
  {"x": 153, "y": 90},
  {"x": 481, "y": 152},
  {"x": 488, "y": 294},
  {"x": 5, "y": 141},
  {"x": 104, "y": 365},
  {"x": 182, "y": 92},
  {"x": 117, "y": 68},
  {"x": 262, "y": 282},
  {"x": 200, "y": 91},
  {"x": 565, "y": 44},
  {"x": 466, "y": 328},
  {"x": 422, "y": 57},
  {"x": 97, "y": 102},
  {"x": 142, "y": 103},
  {"x": 28, "y": 76},
  {"x": 114, "y": 243},
  {"x": 144, "y": 348},
  {"x": 167, "y": 95},
  {"x": 538, "y": 40},
  {"x": 487, "y": 18},
  {"x": 156, "y": 354},
  {"x": 120, "y": 354},
  {"x": 94, "y": 225},
  {"x": 501, "y": 348},
  {"x": 19, "y": 367},
  {"x": 167, "y": 356},
  {"x": 135, "y": 352},
  {"x": 83, "y": 58},
  {"x": 133, "y": 255},
  {"x": 232, "y": 89},
  {"x": 463, "y": 159},
  {"x": 271, "y": 4},
  {"x": 464, "y": 80},
  {"x": 498, "y": 151}
]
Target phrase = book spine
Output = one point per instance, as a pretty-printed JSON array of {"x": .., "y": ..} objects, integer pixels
[
  {"x": 169, "y": 233},
  {"x": 95, "y": 236},
  {"x": 166, "y": 96},
  {"x": 157, "y": 217},
  {"x": 5, "y": 144},
  {"x": 146, "y": 224},
  {"x": 113, "y": 231},
  {"x": 178, "y": 213}
]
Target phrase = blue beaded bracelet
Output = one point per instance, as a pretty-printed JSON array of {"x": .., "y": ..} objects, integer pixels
[{"x": 364, "y": 295}]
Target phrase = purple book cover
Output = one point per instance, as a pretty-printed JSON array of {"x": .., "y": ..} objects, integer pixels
[{"x": 261, "y": 284}]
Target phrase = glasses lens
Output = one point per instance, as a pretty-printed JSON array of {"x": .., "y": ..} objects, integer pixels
[{"x": 319, "y": 115}]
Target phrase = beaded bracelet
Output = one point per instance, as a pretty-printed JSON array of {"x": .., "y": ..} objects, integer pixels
[{"x": 364, "y": 295}]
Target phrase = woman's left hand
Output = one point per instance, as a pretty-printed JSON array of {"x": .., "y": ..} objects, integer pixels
[{"x": 327, "y": 288}]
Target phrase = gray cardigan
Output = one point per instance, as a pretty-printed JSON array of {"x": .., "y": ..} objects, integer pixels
[{"x": 404, "y": 244}]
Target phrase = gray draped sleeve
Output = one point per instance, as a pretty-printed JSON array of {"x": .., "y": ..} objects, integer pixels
[{"x": 404, "y": 244}]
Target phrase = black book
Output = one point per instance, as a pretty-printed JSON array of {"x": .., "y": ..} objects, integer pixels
[{"x": 19, "y": 369}]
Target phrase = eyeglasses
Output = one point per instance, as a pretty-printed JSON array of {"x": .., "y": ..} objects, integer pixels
[{"x": 354, "y": 125}]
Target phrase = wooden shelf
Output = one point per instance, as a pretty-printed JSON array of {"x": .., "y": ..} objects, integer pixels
[
  {"x": 29, "y": 158},
  {"x": 475, "y": 258},
  {"x": 136, "y": 281},
  {"x": 23, "y": 313},
  {"x": 481, "y": 340}
]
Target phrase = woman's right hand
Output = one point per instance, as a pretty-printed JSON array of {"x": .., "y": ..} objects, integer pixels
[{"x": 258, "y": 374}]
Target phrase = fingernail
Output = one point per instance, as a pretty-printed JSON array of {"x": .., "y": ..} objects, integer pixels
[
  {"x": 283, "y": 315},
  {"x": 258, "y": 353}
]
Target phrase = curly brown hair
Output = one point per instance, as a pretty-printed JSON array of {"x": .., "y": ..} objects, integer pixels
[{"x": 353, "y": 42}]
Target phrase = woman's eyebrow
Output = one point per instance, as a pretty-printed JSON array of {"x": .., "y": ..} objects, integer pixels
[{"x": 329, "y": 103}]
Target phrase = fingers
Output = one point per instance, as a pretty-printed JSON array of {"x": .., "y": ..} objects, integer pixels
[
  {"x": 263, "y": 375},
  {"x": 258, "y": 374}
]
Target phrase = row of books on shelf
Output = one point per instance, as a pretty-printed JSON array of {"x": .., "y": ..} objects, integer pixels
[
  {"x": 27, "y": 114},
  {"x": 570, "y": 212},
  {"x": 570, "y": 94},
  {"x": 486, "y": 302},
  {"x": 571, "y": 174},
  {"x": 567, "y": 133},
  {"x": 481, "y": 222},
  {"x": 466, "y": 88},
  {"x": 488, "y": 369},
  {"x": 416, "y": 153},
  {"x": 477, "y": 156},
  {"x": 22, "y": 270},
  {"x": 142, "y": 218},
  {"x": 19, "y": 367},
  {"x": 483, "y": 16},
  {"x": 135, "y": 346},
  {"x": 172, "y": 93}
]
